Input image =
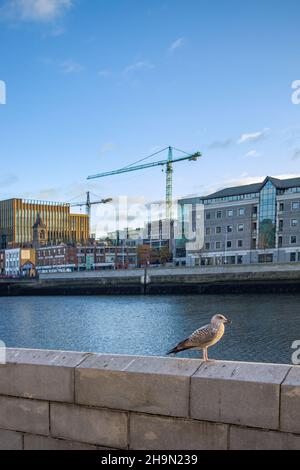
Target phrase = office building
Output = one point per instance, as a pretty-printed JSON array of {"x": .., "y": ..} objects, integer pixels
[
  {"x": 253, "y": 223},
  {"x": 48, "y": 222}
]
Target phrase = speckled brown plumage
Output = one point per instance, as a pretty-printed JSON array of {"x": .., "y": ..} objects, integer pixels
[{"x": 204, "y": 337}]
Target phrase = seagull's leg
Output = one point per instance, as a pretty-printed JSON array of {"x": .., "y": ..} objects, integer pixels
[
  {"x": 205, "y": 354},
  {"x": 208, "y": 360}
]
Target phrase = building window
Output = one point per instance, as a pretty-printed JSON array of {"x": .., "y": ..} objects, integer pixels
[
  {"x": 229, "y": 228},
  {"x": 281, "y": 207},
  {"x": 279, "y": 242},
  {"x": 267, "y": 216},
  {"x": 207, "y": 246},
  {"x": 207, "y": 230},
  {"x": 295, "y": 206},
  {"x": 242, "y": 211},
  {"x": 229, "y": 244},
  {"x": 280, "y": 226},
  {"x": 218, "y": 245},
  {"x": 292, "y": 257},
  {"x": 240, "y": 227},
  {"x": 293, "y": 239},
  {"x": 207, "y": 215},
  {"x": 240, "y": 259},
  {"x": 219, "y": 214},
  {"x": 218, "y": 229},
  {"x": 294, "y": 222},
  {"x": 230, "y": 213},
  {"x": 240, "y": 243}
]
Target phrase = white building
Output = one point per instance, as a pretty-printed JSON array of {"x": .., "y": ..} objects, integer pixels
[{"x": 15, "y": 258}]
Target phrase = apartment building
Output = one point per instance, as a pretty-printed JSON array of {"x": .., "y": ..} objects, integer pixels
[
  {"x": 253, "y": 223},
  {"x": 19, "y": 260},
  {"x": 65, "y": 258}
]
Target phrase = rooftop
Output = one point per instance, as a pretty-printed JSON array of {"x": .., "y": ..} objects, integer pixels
[{"x": 254, "y": 188}]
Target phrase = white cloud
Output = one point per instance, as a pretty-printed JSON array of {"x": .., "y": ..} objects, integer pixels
[
  {"x": 252, "y": 136},
  {"x": 57, "y": 31},
  {"x": 34, "y": 10},
  {"x": 69, "y": 66},
  {"x": 138, "y": 66},
  {"x": 221, "y": 144},
  {"x": 252, "y": 153},
  {"x": 180, "y": 42},
  {"x": 104, "y": 73},
  {"x": 107, "y": 147},
  {"x": 245, "y": 179}
]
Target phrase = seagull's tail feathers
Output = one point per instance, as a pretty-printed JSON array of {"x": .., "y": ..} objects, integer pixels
[{"x": 183, "y": 346}]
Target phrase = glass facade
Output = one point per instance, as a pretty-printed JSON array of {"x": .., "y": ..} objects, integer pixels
[
  {"x": 238, "y": 197},
  {"x": 17, "y": 217},
  {"x": 267, "y": 216}
]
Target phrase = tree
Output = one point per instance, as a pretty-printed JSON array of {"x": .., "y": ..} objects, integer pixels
[{"x": 164, "y": 255}]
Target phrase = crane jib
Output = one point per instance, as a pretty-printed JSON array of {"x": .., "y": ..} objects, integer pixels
[{"x": 192, "y": 157}]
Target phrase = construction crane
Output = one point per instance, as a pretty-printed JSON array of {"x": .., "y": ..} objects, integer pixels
[
  {"x": 88, "y": 205},
  {"x": 169, "y": 171}
]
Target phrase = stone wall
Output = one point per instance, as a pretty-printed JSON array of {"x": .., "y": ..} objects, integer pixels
[
  {"x": 272, "y": 278},
  {"x": 71, "y": 400}
]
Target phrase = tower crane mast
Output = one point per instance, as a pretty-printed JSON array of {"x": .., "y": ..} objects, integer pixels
[{"x": 88, "y": 205}]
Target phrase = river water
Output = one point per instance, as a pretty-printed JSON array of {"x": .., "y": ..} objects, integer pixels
[{"x": 263, "y": 326}]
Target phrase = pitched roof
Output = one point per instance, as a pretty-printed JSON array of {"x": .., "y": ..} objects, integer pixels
[{"x": 254, "y": 188}]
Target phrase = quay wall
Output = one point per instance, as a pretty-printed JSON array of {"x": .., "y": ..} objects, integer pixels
[
  {"x": 85, "y": 401},
  {"x": 214, "y": 280}
]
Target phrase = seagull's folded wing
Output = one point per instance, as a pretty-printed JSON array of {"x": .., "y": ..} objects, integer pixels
[{"x": 202, "y": 337}]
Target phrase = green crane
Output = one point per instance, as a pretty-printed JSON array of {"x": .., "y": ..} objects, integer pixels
[
  {"x": 169, "y": 171},
  {"x": 88, "y": 205}
]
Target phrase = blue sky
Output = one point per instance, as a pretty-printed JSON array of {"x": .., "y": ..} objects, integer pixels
[{"x": 93, "y": 85}]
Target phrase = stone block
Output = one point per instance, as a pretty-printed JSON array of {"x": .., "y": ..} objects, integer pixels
[
  {"x": 32, "y": 442},
  {"x": 45, "y": 375},
  {"x": 81, "y": 424},
  {"x": 290, "y": 402},
  {"x": 10, "y": 440},
  {"x": 145, "y": 384},
  {"x": 161, "y": 433},
  {"x": 20, "y": 414},
  {"x": 257, "y": 439},
  {"x": 238, "y": 393}
]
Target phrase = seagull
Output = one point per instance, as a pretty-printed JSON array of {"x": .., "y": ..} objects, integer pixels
[{"x": 204, "y": 337}]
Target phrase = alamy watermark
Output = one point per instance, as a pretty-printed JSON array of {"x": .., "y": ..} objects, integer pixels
[
  {"x": 296, "y": 94},
  {"x": 2, "y": 352},
  {"x": 296, "y": 354},
  {"x": 186, "y": 221},
  {"x": 2, "y": 92}
]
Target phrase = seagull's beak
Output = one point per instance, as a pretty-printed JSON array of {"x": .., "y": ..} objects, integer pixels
[{"x": 228, "y": 321}]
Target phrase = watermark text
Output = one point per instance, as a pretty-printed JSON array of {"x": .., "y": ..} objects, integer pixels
[
  {"x": 2, "y": 92},
  {"x": 296, "y": 93},
  {"x": 296, "y": 353}
]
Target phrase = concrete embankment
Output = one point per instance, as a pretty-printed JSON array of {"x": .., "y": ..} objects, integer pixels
[
  {"x": 56, "y": 400},
  {"x": 230, "y": 279}
]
